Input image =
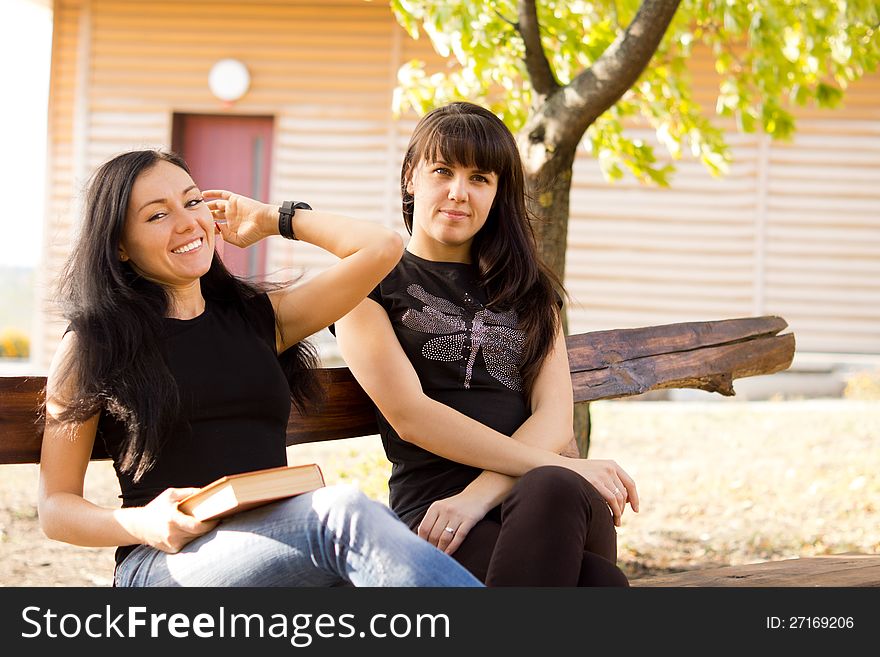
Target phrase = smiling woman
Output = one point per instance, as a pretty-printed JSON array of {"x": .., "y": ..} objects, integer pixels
[
  {"x": 188, "y": 374},
  {"x": 168, "y": 236}
]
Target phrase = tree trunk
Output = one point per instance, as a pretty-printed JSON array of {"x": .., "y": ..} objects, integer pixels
[
  {"x": 582, "y": 428},
  {"x": 558, "y": 119},
  {"x": 549, "y": 189}
]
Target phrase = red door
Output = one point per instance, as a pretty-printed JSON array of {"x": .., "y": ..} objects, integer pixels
[{"x": 234, "y": 153}]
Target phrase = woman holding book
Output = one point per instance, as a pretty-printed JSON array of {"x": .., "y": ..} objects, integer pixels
[
  {"x": 462, "y": 350},
  {"x": 187, "y": 374}
]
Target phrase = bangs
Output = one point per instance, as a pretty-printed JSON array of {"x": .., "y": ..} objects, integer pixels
[{"x": 469, "y": 140}]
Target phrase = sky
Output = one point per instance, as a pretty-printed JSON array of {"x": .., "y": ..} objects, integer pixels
[{"x": 25, "y": 50}]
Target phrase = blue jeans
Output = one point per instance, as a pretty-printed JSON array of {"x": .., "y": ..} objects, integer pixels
[{"x": 331, "y": 537}]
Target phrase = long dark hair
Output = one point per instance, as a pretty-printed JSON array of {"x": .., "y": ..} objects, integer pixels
[
  {"x": 504, "y": 251},
  {"x": 116, "y": 314}
]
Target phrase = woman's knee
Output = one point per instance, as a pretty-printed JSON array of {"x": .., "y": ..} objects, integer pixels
[
  {"x": 339, "y": 498},
  {"x": 560, "y": 488},
  {"x": 345, "y": 495},
  {"x": 346, "y": 503},
  {"x": 553, "y": 484}
]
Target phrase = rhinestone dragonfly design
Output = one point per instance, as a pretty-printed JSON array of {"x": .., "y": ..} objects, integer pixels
[{"x": 493, "y": 333}]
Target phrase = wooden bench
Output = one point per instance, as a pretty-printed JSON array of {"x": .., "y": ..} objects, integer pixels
[
  {"x": 604, "y": 365},
  {"x": 835, "y": 570}
]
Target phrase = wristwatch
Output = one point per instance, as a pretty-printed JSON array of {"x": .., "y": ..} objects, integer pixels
[{"x": 285, "y": 217}]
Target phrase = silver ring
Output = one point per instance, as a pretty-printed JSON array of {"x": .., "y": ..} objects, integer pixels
[
  {"x": 450, "y": 530},
  {"x": 616, "y": 491}
]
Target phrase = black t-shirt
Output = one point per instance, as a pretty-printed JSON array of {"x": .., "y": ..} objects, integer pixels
[
  {"x": 235, "y": 403},
  {"x": 466, "y": 356}
]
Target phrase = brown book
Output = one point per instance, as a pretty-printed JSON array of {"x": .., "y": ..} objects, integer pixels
[{"x": 239, "y": 492}]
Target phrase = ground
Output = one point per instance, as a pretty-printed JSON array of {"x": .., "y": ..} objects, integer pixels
[{"x": 721, "y": 483}]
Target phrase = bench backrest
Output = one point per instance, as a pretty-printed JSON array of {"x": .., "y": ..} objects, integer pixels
[{"x": 603, "y": 365}]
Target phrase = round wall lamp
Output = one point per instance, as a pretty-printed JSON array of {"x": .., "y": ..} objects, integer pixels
[{"x": 229, "y": 80}]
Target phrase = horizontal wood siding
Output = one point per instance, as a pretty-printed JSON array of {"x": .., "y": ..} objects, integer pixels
[
  {"x": 640, "y": 255},
  {"x": 63, "y": 180},
  {"x": 793, "y": 230},
  {"x": 822, "y": 268}
]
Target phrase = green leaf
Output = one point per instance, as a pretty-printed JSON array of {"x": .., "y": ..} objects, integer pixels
[{"x": 828, "y": 96}]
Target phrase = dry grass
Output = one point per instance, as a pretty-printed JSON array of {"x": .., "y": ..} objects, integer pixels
[
  {"x": 734, "y": 483},
  {"x": 723, "y": 482}
]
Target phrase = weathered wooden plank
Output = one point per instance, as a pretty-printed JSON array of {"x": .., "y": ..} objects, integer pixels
[
  {"x": 710, "y": 368},
  {"x": 21, "y": 430},
  {"x": 840, "y": 570},
  {"x": 706, "y": 355},
  {"x": 600, "y": 349}
]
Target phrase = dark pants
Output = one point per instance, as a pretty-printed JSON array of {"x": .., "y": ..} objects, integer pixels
[{"x": 554, "y": 529}]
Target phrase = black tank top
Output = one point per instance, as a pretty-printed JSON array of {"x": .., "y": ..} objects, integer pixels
[
  {"x": 235, "y": 403},
  {"x": 466, "y": 356}
]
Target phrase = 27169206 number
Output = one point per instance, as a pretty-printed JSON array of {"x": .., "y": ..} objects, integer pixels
[{"x": 810, "y": 623}]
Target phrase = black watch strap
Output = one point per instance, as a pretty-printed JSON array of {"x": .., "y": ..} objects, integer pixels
[{"x": 285, "y": 217}]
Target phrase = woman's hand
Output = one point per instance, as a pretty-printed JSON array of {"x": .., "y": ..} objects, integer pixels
[
  {"x": 458, "y": 513},
  {"x": 163, "y": 526},
  {"x": 612, "y": 482},
  {"x": 242, "y": 221}
]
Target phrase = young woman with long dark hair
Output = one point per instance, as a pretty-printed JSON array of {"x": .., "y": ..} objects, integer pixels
[
  {"x": 461, "y": 348},
  {"x": 187, "y": 373}
]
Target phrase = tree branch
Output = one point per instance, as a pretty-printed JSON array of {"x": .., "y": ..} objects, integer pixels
[
  {"x": 506, "y": 20},
  {"x": 597, "y": 88},
  {"x": 540, "y": 73}
]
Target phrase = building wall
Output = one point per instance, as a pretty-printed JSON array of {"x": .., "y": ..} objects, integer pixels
[
  {"x": 64, "y": 163},
  {"x": 793, "y": 230}
]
